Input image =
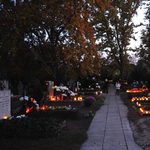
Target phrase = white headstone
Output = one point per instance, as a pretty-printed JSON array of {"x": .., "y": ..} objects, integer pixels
[{"x": 5, "y": 103}]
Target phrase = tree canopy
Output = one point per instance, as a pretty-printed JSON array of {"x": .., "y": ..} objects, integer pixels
[
  {"x": 115, "y": 30},
  {"x": 43, "y": 37},
  {"x": 144, "y": 49}
]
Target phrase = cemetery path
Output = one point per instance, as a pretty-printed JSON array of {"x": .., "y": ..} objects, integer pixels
[{"x": 110, "y": 129}]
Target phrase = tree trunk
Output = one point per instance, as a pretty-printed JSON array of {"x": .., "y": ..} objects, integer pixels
[{"x": 121, "y": 67}]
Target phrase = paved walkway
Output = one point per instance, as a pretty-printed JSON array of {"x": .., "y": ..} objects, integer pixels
[{"x": 110, "y": 129}]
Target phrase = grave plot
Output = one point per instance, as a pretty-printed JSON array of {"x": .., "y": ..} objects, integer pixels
[
  {"x": 62, "y": 96},
  {"x": 135, "y": 92},
  {"x": 144, "y": 110},
  {"x": 142, "y": 104},
  {"x": 90, "y": 92},
  {"x": 30, "y": 107}
]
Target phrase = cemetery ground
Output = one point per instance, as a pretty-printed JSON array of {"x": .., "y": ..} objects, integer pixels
[
  {"x": 73, "y": 133},
  {"x": 71, "y": 136},
  {"x": 140, "y": 124}
]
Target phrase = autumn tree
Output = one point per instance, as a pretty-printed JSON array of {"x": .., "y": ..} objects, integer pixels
[
  {"x": 115, "y": 30},
  {"x": 41, "y": 37},
  {"x": 144, "y": 49}
]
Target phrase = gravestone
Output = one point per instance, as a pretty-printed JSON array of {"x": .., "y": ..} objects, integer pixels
[
  {"x": 20, "y": 88},
  {"x": 50, "y": 89},
  {"x": 5, "y": 103},
  {"x": 5, "y": 100}
]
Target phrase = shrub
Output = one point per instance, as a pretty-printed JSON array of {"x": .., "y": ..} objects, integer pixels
[
  {"x": 91, "y": 97},
  {"x": 29, "y": 127},
  {"x": 88, "y": 102}
]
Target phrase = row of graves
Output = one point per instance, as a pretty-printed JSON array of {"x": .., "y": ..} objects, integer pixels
[
  {"x": 97, "y": 90},
  {"x": 58, "y": 98},
  {"x": 62, "y": 95},
  {"x": 141, "y": 99},
  {"x": 62, "y": 98},
  {"x": 39, "y": 119}
]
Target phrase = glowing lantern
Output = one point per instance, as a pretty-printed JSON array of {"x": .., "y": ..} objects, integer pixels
[
  {"x": 43, "y": 108},
  {"x": 58, "y": 98},
  {"x": 53, "y": 98},
  {"x": 76, "y": 90},
  {"x": 46, "y": 107},
  {"x": 75, "y": 99},
  {"x": 135, "y": 90},
  {"x": 5, "y": 117},
  {"x": 79, "y": 98},
  {"x": 146, "y": 112},
  {"x": 133, "y": 99},
  {"x": 27, "y": 110},
  {"x": 53, "y": 87},
  {"x": 142, "y": 111},
  {"x": 32, "y": 99}
]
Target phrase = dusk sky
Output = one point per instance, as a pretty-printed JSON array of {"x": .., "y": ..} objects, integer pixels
[{"x": 137, "y": 19}]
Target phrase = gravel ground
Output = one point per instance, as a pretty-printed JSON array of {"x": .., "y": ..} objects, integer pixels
[{"x": 141, "y": 132}]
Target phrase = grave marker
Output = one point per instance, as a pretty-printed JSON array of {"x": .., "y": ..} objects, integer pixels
[{"x": 5, "y": 103}]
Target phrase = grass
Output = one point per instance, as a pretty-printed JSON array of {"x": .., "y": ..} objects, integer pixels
[
  {"x": 98, "y": 103},
  {"x": 64, "y": 142},
  {"x": 139, "y": 123},
  {"x": 133, "y": 113},
  {"x": 70, "y": 138}
]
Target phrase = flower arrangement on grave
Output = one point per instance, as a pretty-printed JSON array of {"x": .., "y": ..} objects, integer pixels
[
  {"x": 57, "y": 108},
  {"x": 63, "y": 93},
  {"x": 28, "y": 105}
]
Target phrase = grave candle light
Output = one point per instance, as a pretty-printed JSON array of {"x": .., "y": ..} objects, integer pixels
[
  {"x": 53, "y": 98},
  {"x": 140, "y": 99},
  {"x": 135, "y": 90},
  {"x": 80, "y": 98},
  {"x": 43, "y": 108},
  {"x": 77, "y": 98},
  {"x": 32, "y": 99},
  {"x": 28, "y": 109},
  {"x": 144, "y": 111},
  {"x": 5, "y": 117}
]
